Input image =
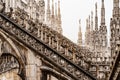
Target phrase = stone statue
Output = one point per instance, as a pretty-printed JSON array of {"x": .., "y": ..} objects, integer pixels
[
  {"x": 11, "y": 12},
  {"x": 2, "y": 7}
]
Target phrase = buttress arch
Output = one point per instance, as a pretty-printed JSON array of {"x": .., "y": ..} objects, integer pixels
[{"x": 16, "y": 53}]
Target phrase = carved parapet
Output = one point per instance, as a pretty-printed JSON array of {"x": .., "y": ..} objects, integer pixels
[
  {"x": 56, "y": 40},
  {"x": 63, "y": 40},
  {"x": 30, "y": 39}
]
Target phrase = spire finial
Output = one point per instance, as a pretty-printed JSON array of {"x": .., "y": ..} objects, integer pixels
[
  {"x": 116, "y": 8},
  {"x": 87, "y": 24},
  {"x": 80, "y": 21},
  {"x": 48, "y": 12},
  {"x": 79, "y": 34},
  {"x": 53, "y": 7},
  {"x": 59, "y": 8},
  {"x": 80, "y": 25},
  {"x": 96, "y": 18},
  {"x": 91, "y": 20},
  {"x": 102, "y": 3},
  {"x": 59, "y": 18},
  {"x": 102, "y": 14},
  {"x": 96, "y": 8},
  {"x": 56, "y": 9}
]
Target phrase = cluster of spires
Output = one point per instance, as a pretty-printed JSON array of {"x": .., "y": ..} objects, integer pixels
[
  {"x": 90, "y": 31},
  {"x": 53, "y": 16},
  {"x": 97, "y": 39}
]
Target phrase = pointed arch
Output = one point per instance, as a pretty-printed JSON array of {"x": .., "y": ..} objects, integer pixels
[{"x": 17, "y": 53}]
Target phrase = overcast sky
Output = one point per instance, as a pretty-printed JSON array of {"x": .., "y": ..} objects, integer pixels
[{"x": 73, "y": 10}]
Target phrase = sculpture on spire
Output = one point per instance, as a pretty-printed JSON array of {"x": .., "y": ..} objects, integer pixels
[
  {"x": 59, "y": 18},
  {"x": 102, "y": 14},
  {"x": 96, "y": 18},
  {"x": 115, "y": 8},
  {"x": 91, "y": 20},
  {"x": 79, "y": 34},
  {"x": 48, "y": 14}
]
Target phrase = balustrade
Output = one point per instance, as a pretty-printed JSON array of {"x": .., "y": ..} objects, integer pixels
[
  {"x": 30, "y": 39},
  {"x": 54, "y": 39}
]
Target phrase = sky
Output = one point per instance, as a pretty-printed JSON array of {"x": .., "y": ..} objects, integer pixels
[{"x": 73, "y": 10}]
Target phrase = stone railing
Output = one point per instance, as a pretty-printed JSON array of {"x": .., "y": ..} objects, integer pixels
[
  {"x": 53, "y": 39},
  {"x": 49, "y": 46}
]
